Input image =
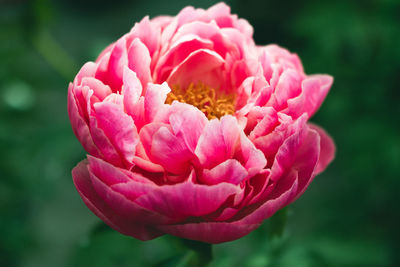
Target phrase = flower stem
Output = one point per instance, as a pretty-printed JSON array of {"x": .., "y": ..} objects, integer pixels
[{"x": 203, "y": 251}]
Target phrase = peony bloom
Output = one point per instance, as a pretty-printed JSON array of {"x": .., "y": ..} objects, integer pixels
[{"x": 193, "y": 130}]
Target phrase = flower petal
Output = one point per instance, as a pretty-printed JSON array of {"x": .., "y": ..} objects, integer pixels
[
  {"x": 314, "y": 90},
  {"x": 210, "y": 232},
  {"x": 201, "y": 66},
  {"x": 218, "y": 141},
  {"x": 79, "y": 125},
  {"x": 154, "y": 100},
  {"x": 306, "y": 160},
  {"x": 252, "y": 158},
  {"x": 139, "y": 61},
  {"x": 170, "y": 152},
  {"x": 289, "y": 86},
  {"x": 287, "y": 152},
  {"x": 132, "y": 100},
  {"x": 148, "y": 34},
  {"x": 118, "y": 127},
  {"x": 230, "y": 171},
  {"x": 327, "y": 148},
  {"x": 185, "y": 199},
  {"x": 115, "y": 68},
  {"x": 219, "y": 232},
  {"x": 187, "y": 123},
  {"x": 178, "y": 52},
  {"x": 97, "y": 205},
  {"x": 87, "y": 70}
]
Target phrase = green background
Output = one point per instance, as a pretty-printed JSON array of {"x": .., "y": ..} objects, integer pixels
[{"x": 350, "y": 214}]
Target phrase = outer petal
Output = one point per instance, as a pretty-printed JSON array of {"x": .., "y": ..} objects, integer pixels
[
  {"x": 97, "y": 205},
  {"x": 180, "y": 200},
  {"x": 287, "y": 152},
  {"x": 87, "y": 70},
  {"x": 210, "y": 232},
  {"x": 306, "y": 160},
  {"x": 218, "y": 232},
  {"x": 79, "y": 125},
  {"x": 314, "y": 90},
  {"x": 327, "y": 149}
]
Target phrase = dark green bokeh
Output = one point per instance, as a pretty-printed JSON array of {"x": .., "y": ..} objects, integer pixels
[{"x": 349, "y": 216}]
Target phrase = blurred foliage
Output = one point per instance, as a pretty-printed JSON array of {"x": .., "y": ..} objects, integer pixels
[{"x": 349, "y": 216}]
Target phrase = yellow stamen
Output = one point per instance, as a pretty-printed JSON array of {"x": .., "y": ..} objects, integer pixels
[{"x": 204, "y": 98}]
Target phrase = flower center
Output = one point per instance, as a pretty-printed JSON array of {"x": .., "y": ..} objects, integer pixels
[{"x": 204, "y": 98}]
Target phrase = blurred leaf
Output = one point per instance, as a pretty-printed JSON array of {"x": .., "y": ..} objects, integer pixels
[
  {"x": 18, "y": 95},
  {"x": 277, "y": 223},
  {"x": 54, "y": 54}
]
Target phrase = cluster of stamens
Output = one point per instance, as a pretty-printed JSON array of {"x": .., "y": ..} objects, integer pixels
[{"x": 204, "y": 98}]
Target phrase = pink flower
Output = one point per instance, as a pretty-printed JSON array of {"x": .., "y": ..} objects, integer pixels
[{"x": 193, "y": 130}]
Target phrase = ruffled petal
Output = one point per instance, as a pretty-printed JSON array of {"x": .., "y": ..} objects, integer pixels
[
  {"x": 115, "y": 68},
  {"x": 148, "y": 34},
  {"x": 154, "y": 100},
  {"x": 327, "y": 148},
  {"x": 218, "y": 141},
  {"x": 87, "y": 70},
  {"x": 100, "y": 90},
  {"x": 100, "y": 139},
  {"x": 79, "y": 124},
  {"x": 306, "y": 160},
  {"x": 252, "y": 158},
  {"x": 170, "y": 152},
  {"x": 210, "y": 232},
  {"x": 261, "y": 121},
  {"x": 288, "y": 86},
  {"x": 187, "y": 123},
  {"x": 178, "y": 52},
  {"x": 119, "y": 129},
  {"x": 219, "y": 232},
  {"x": 131, "y": 91},
  {"x": 230, "y": 171},
  {"x": 314, "y": 90},
  {"x": 99, "y": 207},
  {"x": 287, "y": 152},
  {"x": 184, "y": 199},
  {"x": 201, "y": 66},
  {"x": 139, "y": 61}
]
